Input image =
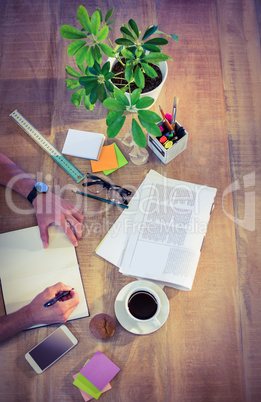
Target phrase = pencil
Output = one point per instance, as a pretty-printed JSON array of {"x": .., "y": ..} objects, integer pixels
[
  {"x": 101, "y": 199},
  {"x": 166, "y": 120}
]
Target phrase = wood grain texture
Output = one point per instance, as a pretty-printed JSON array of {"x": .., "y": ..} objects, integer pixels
[{"x": 209, "y": 348}]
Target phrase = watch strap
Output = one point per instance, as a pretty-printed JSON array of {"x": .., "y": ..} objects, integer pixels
[{"x": 32, "y": 195}]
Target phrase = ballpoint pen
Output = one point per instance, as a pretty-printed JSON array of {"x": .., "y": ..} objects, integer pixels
[
  {"x": 55, "y": 299},
  {"x": 100, "y": 199}
]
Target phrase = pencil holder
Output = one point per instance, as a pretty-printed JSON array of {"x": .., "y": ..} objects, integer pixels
[{"x": 166, "y": 155}]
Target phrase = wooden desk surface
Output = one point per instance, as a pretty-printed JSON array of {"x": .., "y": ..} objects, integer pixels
[{"x": 209, "y": 349}]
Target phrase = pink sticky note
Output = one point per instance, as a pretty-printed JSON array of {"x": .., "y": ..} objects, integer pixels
[
  {"x": 99, "y": 370},
  {"x": 88, "y": 397}
]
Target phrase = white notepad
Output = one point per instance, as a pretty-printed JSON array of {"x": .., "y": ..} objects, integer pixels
[
  {"x": 83, "y": 144},
  {"x": 27, "y": 268}
]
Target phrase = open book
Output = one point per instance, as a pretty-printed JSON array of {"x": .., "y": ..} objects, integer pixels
[
  {"x": 27, "y": 268},
  {"x": 161, "y": 234}
]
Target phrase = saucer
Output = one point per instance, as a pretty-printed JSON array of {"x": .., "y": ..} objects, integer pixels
[{"x": 131, "y": 325}]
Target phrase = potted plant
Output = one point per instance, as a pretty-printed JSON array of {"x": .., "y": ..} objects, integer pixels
[{"x": 137, "y": 57}]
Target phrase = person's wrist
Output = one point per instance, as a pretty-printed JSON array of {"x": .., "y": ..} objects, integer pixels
[{"x": 38, "y": 189}]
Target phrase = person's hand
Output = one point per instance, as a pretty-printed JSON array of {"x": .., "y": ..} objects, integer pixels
[
  {"x": 50, "y": 208},
  {"x": 59, "y": 312}
]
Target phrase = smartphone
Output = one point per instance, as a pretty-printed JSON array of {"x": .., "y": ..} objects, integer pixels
[{"x": 51, "y": 349}]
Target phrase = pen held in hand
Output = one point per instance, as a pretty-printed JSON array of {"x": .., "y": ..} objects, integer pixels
[
  {"x": 55, "y": 299},
  {"x": 100, "y": 199}
]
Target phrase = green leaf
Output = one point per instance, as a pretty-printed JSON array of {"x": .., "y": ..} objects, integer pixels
[
  {"x": 151, "y": 128},
  {"x": 90, "y": 57},
  {"x": 149, "y": 70},
  {"x": 83, "y": 18},
  {"x": 94, "y": 95},
  {"x": 73, "y": 73},
  {"x": 139, "y": 77},
  {"x": 138, "y": 52},
  {"x": 156, "y": 57},
  {"x": 138, "y": 134},
  {"x": 103, "y": 33},
  {"x": 135, "y": 95},
  {"x": 121, "y": 97},
  {"x": 113, "y": 104},
  {"x": 106, "y": 68},
  {"x": 126, "y": 32},
  {"x": 151, "y": 48},
  {"x": 113, "y": 116},
  {"x": 114, "y": 128},
  {"x": 102, "y": 94},
  {"x": 97, "y": 54},
  {"x": 89, "y": 87},
  {"x": 106, "y": 49},
  {"x": 81, "y": 66},
  {"x": 157, "y": 41},
  {"x": 77, "y": 96},
  {"x": 149, "y": 31},
  {"x": 108, "y": 76},
  {"x": 134, "y": 27},
  {"x": 88, "y": 80},
  {"x": 72, "y": 84},
  {"x": 75, "y": 46},
  {"x": 127, "y": 54},
  {"x": 95, "y": 22},
  {"x": 81, "y": 55},
  {"x": 100, "y": 12},
  {"x": 87, "y": 103},
  {"x": 128, "y": 73},
  {"x": 69, "y": 32},
  {"x": 95, "y": 69},
  {"x": 109, "y": 86},
  {"x": 144, "y": 102},
  {"x": 109, "y": 14},
  {"x": 124, "y": 41},
  {"x": 149, "y": 116},
  {"x": 175, "y": 37}
]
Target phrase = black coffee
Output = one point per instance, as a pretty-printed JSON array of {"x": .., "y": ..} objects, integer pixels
[{"x": 142, "y": 305}]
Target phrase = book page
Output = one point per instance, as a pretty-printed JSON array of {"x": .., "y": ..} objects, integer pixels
[
  {"x": 113, "y": 245},
  {"x": 27, "y": 268},
  {"x": 18, "y": 292}
]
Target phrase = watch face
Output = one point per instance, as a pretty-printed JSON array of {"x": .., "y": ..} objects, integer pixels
[{"x": 41, "y": 187}]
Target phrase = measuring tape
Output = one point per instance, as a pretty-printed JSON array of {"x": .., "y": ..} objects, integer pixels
[{"x": 57, "y": 156}]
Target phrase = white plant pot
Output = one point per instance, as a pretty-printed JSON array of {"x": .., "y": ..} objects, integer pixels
[{"x": 155, "y": 92}]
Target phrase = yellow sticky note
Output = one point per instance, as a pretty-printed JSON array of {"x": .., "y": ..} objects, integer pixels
[{"x": 107, "y": 159}]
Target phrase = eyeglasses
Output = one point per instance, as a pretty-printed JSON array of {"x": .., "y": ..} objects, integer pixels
[{"x": 116, "y": 194}]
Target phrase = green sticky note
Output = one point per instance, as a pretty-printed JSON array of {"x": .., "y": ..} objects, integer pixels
[
  {"x": 86, "y": 386},
  {"x": 120, "y": 159}
]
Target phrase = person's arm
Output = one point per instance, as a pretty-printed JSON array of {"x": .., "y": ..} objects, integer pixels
[
  {"x": 49, "y": 208},
  {"x": 35, "y": 313}
]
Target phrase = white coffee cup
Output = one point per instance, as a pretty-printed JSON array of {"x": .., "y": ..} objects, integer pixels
[{"x": 143, "y": 305}]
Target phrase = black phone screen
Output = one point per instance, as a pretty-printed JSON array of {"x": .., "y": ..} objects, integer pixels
[{"x": 51, "y": 348}]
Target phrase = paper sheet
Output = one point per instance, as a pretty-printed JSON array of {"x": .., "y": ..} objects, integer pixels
[
  {"x": 107, "y": 159},
  {"x": 83, "y": 144},
  {"x": 99, "y": 370}
]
